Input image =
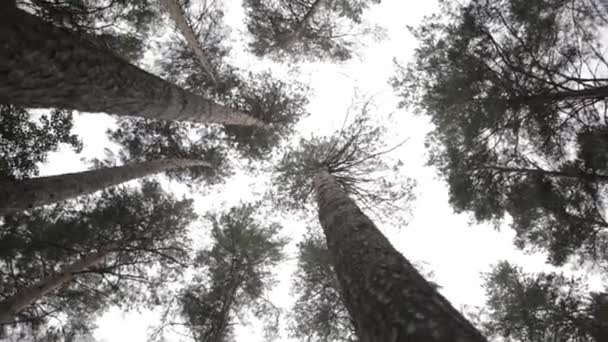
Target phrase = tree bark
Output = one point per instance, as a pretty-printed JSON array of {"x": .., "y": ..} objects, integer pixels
[
  {"x": 384, "y": 294},
  {"x": 13, "y": 305},
  {"x": 181, "y": 23},
  {"x": 29, "y": 193},
  {"x": 46, "y": 66}
]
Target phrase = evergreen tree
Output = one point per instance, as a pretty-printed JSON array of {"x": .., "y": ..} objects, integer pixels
[
  {"x": 514, "y": 88},
  {"x": 48, "y": 66},
  {"x": 542, "y": 307},
  {"x": 280, "y": 103},
  {"x": 34, "y": 192},
  {"x": 232, "y": 276},
  {"x": 306, "y": 29},
  {"x": 137, "y": 238},
  {"x": 387, "y": 298}
]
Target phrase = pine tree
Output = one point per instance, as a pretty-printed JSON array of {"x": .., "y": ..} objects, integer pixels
[
  {"x": 134, "y": 240},
  {"x": 231, "y": 276},
  {"x": 34, "y": 192},
  {"x": 515, "y": 89},
  {"x": 386, "y": 297},
  {"x": 47, "y": 66}
]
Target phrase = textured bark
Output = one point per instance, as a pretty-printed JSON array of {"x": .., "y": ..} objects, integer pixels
[
  {"x": 29, "y": 193},
  {"x": 181, "y": 23},
  {"x": 386, "y": 297},
  {"x": 46, "y": 66},
  {"x": 13, "y": 305}
]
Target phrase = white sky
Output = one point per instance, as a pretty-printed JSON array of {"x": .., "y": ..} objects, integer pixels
[{"x": 448, "y": 244}]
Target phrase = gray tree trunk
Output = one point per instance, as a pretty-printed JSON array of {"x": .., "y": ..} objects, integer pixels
[
  {"x": 30, "y": 193},
  {"x": 181, "y": 23},
  {"x": 25, "y": 297},
  {"x": 386, "y": 297},
  {"x": 46, "y": 66}
]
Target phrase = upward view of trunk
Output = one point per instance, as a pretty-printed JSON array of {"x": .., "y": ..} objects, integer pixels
[
  {"x": 181, "y": 23},
  {"x": 290, "y": 38},
  {"x": 384, "y": 294},
  {"x": 25, "y": 297},
  {"x": 30, "y": 193},
  {"x": 43, "y": 66}
]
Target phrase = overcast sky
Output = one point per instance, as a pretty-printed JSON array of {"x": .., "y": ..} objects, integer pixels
[{"x": 447, "y": 244}]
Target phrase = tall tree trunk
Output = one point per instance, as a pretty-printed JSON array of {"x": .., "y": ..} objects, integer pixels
[
  {"x": 181, "y": 23},
  {"x": 585, "y": 176},
  {"x": 288, "y": 40},
  {"x": 25, "y": 297},
  {"x": 46, "y": 66},
  {"x": 29, "y": 193},
  {"x": 384, "y": 294}
]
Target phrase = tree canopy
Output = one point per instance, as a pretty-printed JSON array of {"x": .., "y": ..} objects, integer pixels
[
  {"x": 307, "y": 29},
  {"x": 516, "y": 90},
  {"x": 527, "y": 307}
]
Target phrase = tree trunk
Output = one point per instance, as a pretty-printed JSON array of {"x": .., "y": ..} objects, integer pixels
[
  {"x": 29, "y": 193},
  {"x": 46, "y": 66},
  {"x": 181, "y": 23},
  {"x": 592, "y": 177},
  {"x": 288, "y": 40},
  {"x": 384, "y": 294},
  {"x": 13, "y": 305}
]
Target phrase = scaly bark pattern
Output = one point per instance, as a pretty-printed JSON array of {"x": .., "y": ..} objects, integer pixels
[
  {"x": 386, "y": 297},
  {"x": 29, "y": 193},
  {"x": 25, "y": 297},
  {"x": 46, "y": 66}
]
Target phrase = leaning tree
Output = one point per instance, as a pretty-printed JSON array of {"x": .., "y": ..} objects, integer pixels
[
  {"x": 30, "y": 193},
  {"x": 307, "y": 29},
  {"x": 68, "y": 263},
  {"x": 42, "y": 65},
  {"x": 231, "y": 277},
  {"x": 517, "y": 91},
  {"x": 386, "y": 297}
]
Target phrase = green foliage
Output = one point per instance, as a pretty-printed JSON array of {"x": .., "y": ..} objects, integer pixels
[
  {"x": 355, "y": 157},
  {"x": 25, "y": 143},
  {"x": 513, "y": 88},
  {"x": 232, "y": 276},
  {"x": 541, "y": 307},
  {"x": 146, "y": 140},
  {"x": 147, "y": 227},
  {"x": 121, "y": 26},
  {"x": 307, "y": 29},
  {"x": 319, "y": 314}
]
